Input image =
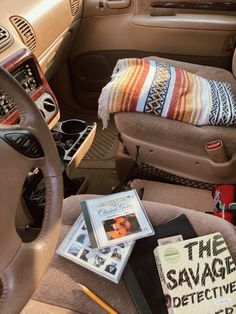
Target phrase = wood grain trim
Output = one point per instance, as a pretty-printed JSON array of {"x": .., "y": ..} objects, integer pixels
[
  {"x": 216, "y": 6},
  {"x": 10, "y": 64}
]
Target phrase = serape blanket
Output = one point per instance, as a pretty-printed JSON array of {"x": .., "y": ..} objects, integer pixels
[{"x": 142, "y": 85}]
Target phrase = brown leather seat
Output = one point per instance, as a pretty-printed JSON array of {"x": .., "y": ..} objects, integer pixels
[
  {"x": 178, "y": 147},
  {"x": 58, "y": 292}
]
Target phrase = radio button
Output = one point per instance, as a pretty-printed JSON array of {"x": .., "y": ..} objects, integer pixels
[
  {"x": 25, "y": 143},
  {"x": 16, "y": 138}
]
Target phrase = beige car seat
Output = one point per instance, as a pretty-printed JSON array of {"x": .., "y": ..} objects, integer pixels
[
  {"x": 58, "y": 291},
  {"x": 178, "y": 147}
]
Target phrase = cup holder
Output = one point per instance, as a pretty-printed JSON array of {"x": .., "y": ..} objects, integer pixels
[
  {"x": 73, "y": 126},
  {"x": 69, "y": 135}
]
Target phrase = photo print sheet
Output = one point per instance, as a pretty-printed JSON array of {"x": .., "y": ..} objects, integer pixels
[{"x": 108, "y": 262}]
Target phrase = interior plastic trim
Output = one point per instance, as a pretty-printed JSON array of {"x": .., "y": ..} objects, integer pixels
[{"x": 187, "y": 21}]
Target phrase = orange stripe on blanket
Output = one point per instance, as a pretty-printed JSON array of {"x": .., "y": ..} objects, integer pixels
[
  {"x": 130, "y": 102},
  {"x": 128, "y": 87},
  {"x": 121, "y": 98},
  {"x": 185, "y": 96},
  {"x": 175, "y": 96},
  {"x": 189, "y": 99},
  {"x": 182, "y": 94},
  {"x": 137, "y": 88}
]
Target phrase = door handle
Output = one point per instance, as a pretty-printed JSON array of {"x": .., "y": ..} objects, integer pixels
[{"x": 118, "y": 4}]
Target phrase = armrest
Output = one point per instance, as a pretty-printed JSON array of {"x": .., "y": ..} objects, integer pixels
[{"x": 188, "y": 21}]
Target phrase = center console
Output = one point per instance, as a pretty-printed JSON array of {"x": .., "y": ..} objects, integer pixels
[
  {"x": 25, "y": 69},
  {"x": 73, "y": 137}
]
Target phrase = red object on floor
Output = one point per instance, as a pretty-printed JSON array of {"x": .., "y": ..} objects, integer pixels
[
  {"x": 225, "y": 215},
  {"x": 223, "y": 196}
]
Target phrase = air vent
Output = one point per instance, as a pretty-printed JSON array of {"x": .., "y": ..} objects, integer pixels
[
  {"x": 25, "y": 31},
  {"x": 5, "y": 38},
  {"x": 49, "y": 104},
  {"x": 74, "y": 6}
]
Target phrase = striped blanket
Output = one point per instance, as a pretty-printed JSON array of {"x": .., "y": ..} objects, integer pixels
[{"x": 141, "y": 85}]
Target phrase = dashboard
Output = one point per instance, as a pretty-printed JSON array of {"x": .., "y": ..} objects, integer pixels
[
  {"x": 35, "y": 38},
  {"x": 25, "y": 69}
]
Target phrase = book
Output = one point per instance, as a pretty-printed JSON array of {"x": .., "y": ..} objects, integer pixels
[
  {"x": 141, "y": 272},
  {"x": 197, "y": 275},
  {"x": 108, "y": 262},
  {"x": 116, "y": 218}
]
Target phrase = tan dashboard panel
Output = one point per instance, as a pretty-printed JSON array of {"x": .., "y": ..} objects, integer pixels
[{"x": 49, "y": 19}]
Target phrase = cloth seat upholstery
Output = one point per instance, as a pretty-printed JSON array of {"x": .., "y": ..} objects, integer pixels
[{"x": 58, "y": 292}]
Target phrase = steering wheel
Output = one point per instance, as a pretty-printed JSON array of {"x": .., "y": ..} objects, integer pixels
[{"x": 23, "y": 147}]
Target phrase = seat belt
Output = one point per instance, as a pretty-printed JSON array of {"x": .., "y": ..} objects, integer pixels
[{"x": 217, "y": 151}]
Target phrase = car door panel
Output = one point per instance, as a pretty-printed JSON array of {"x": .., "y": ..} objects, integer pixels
[
  {"x": 145, "y": 28},
  {"x": 99, "y": 34},
  {"x": 214, "y": 22}
]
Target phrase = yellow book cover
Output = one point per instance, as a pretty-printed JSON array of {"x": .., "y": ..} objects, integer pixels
[{"x": 197, "y": 276}]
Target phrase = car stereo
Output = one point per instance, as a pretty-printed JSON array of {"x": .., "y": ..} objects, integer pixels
[
  {"x": 24, "y": 67},
  {"x": 27, "y": 75}
]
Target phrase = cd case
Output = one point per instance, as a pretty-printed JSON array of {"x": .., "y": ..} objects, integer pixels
[
  {"x": 108, "y": 262},
  {"x": 115, "y": 219}
]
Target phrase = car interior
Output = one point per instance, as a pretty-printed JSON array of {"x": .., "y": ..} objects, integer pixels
[{"x": 56, "y": 56}]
